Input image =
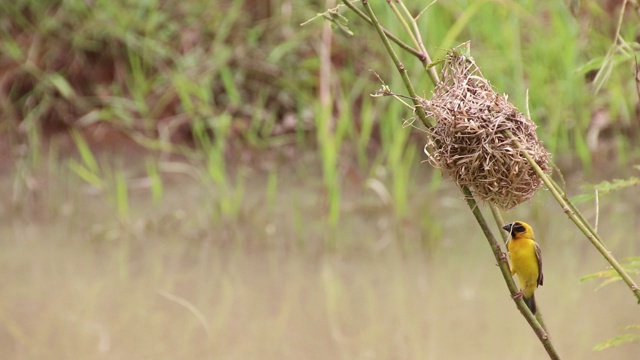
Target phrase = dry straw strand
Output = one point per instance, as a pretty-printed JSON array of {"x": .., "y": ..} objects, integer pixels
[{"x": 470, "y": 139}]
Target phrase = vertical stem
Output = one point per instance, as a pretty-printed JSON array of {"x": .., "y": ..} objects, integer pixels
[
  {"x": 431, "y": 71},
  {"x": 324, "y": 84},
  {"x": 399, "y": 65}
]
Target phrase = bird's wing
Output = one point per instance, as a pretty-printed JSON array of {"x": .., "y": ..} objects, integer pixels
[{"x": 539, "y": 258}]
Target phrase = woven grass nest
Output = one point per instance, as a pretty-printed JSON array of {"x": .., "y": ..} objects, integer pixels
[{"x": 470, "y": 142}]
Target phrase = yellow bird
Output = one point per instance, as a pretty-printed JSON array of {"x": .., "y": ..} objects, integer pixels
[{"x": 526, "y": 261}]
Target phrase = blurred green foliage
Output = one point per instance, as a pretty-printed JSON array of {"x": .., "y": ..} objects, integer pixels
[{"x": 154, "y": 68}]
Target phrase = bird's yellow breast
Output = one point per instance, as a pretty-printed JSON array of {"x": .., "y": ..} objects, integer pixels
[{"x": 524, "y": 263}]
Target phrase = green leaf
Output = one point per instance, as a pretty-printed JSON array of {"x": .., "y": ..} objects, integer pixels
[
  {"x": 155, "y": 179},
  {"x": 582, "y": 198},
  {"x": 617, "y": 184},
  {"x": 339, "y": 22},
  {"x": 62, "y": 85},
  {"x": 122, "y": 195},
  {"x": 598, "y": 275},
  {"x": 605, "y": 187},
  {"x": 631, "y": 265},
  {"x": 85, "y": 151},
  {"x": 12, "y": 49},
  {"x": 86, "y": 174},
  {"x": 616, "y": 341}
]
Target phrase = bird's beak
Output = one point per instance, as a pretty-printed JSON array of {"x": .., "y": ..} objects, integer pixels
[{"x": 508, "y": 227}]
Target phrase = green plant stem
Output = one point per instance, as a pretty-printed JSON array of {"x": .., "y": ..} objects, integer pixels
[
  {"x": 399, "y": 65},
  {"x": 575, "y": 210},
  {"x": 534, "y": 321},
  {"x": 500, "y": 256},
  {"x": 431, "y": 70},
  {"x": 563, "y": 193},
  {"x": 572, "y": 212},
  {"x": 499, "y": 222},
  {"x": 393, "y": 38},
  {"x": 404, "y": 23}
]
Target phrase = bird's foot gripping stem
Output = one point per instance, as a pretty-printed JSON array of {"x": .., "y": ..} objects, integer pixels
[{"x": 518, "y": 295}]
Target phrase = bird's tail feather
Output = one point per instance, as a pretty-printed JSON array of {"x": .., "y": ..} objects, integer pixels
[{"x": 531, "y": 303}]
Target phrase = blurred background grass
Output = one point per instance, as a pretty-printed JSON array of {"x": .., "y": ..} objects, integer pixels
[{"x": 212, "y": 180}]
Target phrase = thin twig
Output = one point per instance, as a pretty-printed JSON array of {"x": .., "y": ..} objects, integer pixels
[
  {"x": 399, "y": 65},
  {"x": 499, "y": 222},
  {"x": 431, "y": 70},
  {"x": 393, "y": 38},
  {"x": 602, "y": 72},
  {"x": 190, "y": 307},
  {"x": 595, "y": 226},
  {"x": 563, "y": 193}
]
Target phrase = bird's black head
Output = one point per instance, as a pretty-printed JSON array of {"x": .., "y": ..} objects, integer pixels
[{"x": 516, "y": 227}]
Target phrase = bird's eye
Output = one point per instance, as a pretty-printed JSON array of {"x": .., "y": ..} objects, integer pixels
[{"x": 517, "y": 227}]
